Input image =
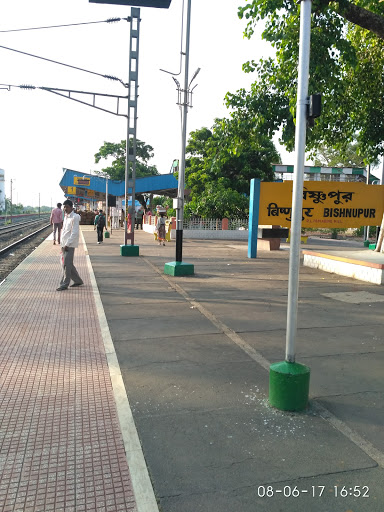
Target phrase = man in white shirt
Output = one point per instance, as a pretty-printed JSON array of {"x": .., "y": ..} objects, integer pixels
[{"x": 69, "y": 242}]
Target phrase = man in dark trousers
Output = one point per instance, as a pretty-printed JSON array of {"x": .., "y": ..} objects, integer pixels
[
  {"x": 139, "y": 218},
  {"x": 69, "y": 242},
  {"x": 100, "y": 225}
]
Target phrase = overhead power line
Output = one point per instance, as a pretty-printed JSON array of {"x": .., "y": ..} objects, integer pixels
[
  {"x": 109, "y": 20},
  {"x": 110, "y": 77}
]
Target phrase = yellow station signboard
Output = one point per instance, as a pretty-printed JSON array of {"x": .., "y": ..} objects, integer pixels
[
  {"x": 71, "y": 191},
  {"x": 325, "y": 204},
  {"x": 85, "y": 182}
]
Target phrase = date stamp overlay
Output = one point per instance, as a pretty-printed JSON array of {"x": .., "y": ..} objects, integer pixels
[{"x": 315, "y": 491}]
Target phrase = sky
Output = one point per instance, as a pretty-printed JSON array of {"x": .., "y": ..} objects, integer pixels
[{"x": 42, "y": 133}]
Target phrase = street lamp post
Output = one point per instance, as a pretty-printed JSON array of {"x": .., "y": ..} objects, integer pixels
[{"x": 178, "y": 267}]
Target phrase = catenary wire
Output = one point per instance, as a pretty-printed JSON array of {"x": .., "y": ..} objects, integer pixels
[
  {"x": 109, "y": 20},
  {"x": 110, "y": 77}
]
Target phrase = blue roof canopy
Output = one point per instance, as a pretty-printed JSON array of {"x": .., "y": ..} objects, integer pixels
[{"x": 163, "y": 184}]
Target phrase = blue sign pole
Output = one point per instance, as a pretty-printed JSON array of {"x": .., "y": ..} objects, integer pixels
[{"x": 253, "y": 223}]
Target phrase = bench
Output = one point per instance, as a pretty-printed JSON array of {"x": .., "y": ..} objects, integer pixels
[{"x": 268, "y": 239}]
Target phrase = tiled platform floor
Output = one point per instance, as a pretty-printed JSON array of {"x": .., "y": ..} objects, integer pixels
[{"x": 61, "y": 447}]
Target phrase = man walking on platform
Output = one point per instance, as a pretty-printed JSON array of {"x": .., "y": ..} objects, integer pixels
[
  {"x": 69, "y": 242},
  {"x": 100, "y": 225},
  {"x": 57, "y": 221}
]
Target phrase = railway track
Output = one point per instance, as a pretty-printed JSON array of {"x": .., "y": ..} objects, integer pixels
[
  {"x": 18, "y": 246},
  {"x": 15, "y": 228},
  {"x": 20, "y": 219}
]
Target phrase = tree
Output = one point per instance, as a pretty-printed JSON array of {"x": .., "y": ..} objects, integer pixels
[
  {"x": 346, "y": 66},
  {"x": 366, "y": 14},
  {"x": 218, "y": 201},
  {"x": 220, "y": 164},
  {"x": 325, "y": 156},
  {"x": 116, "y": 171}
]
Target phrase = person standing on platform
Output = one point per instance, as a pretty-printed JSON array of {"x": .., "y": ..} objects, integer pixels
[
  {"x": 100, "y": 225},
  {"x": 69, "y": 242},
  {"x": 56, "y": 221},
  {"x": 139, "y": 218},
  {"x": 160, "y": 227}
]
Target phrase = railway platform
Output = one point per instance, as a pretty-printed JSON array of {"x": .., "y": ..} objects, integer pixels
[
  {"x": 141, "y": 391},
  {"x": 62, "y": 446}
]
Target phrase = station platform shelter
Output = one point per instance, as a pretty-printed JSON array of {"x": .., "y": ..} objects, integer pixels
[{"x": 88, "y": 189}]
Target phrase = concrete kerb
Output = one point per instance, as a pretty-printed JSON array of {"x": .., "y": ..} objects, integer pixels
[{"x": 142, "y": 486}]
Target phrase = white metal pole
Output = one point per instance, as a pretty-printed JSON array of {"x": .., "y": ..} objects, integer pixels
[{"x": 298, "y": 183}]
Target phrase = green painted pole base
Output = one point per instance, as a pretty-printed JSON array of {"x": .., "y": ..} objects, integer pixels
[
  {"x": 289, "y": 386},
  {"x": 106, "y": 234},
  {"x": 179, "y": 268},
  {"x": 129, "y": 250}
]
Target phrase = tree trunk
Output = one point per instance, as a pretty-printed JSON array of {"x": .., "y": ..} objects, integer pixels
[{"x": 361, "y": 17}]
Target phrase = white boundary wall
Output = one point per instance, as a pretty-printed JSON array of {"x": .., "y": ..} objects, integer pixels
[{"x": 205, "y": 234}]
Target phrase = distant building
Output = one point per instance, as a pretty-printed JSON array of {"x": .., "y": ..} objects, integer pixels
[
  {"x": 343, "y": 174},
  {"x": 2, "y": 189}
]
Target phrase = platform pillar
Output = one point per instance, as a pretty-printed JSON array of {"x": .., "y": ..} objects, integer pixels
[
  {"x": 179, "y": 268},
  {"x": 289, "y": 386},
  {"x": 129, "y": 250}
]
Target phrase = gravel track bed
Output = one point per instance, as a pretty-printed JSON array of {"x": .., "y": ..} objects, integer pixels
[{"x": 15, "y": 256}]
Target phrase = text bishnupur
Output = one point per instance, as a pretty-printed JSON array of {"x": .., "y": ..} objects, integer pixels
[{"x": 325, "y": 204}]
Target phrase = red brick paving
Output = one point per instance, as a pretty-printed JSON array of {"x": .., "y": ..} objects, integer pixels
[{"x": 61, "y": 447}]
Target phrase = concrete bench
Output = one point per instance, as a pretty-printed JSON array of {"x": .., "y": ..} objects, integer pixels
[{"x": 268, "y": 239}]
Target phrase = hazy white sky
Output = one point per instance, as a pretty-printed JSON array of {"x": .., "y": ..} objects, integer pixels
[{"x": 40, "y": 133}]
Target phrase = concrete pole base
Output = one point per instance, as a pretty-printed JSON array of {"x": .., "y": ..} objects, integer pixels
[
  {"x": 106, "y": 234},
  {"x": 129, "y": 250},
  {"x": 179, "y": 268},
  {"x": 289, "y": 386}
]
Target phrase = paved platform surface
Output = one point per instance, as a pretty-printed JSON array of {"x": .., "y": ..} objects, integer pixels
[
  {"x": 61, "y": 445},
  {"x": 194, "y": 354}
]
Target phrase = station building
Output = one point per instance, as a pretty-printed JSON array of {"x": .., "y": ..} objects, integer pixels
[{"x": 342, "y": 174}]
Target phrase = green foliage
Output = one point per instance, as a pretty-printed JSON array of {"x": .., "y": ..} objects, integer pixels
[
  {"x": 335, "y": 232},
  {"x": 117, "y": 151},
  {"x": 346, "y": 66},
  {"x": 359, "y": 232},
  {"x": 349, "y": 157},
  {"x": 167, "y": 202},
  {"x": 218, "y": 201},
  {"x": 116, "y": 171},
  {"x": 220, "y": 164}
]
